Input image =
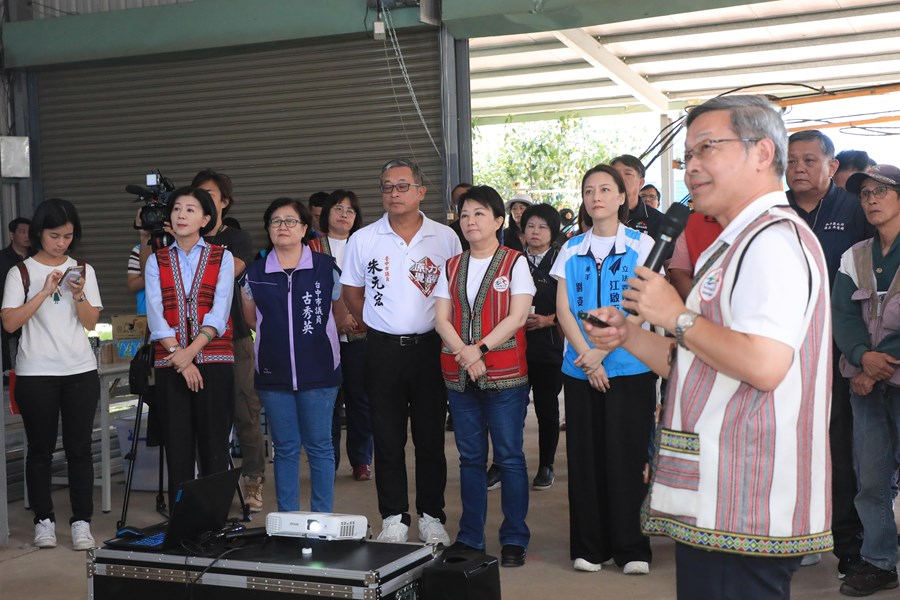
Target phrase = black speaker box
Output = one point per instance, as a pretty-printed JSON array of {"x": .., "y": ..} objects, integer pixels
[{"x": 462, "y": 576}]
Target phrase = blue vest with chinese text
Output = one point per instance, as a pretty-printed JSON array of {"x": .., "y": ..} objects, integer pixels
[{"x": 589, "y": 286}]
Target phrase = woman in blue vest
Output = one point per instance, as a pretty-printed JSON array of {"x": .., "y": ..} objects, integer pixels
[
  {"x": 482, "y": 301},
  {"x": 288, "y": 300},
  {"x": 610, "y": 397}
]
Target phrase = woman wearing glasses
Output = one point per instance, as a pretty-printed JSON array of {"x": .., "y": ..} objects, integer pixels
[
  {"x": 340, "y": 218},
  {"x": 288, "y": 300},
  {"x": 482, "y": 302},
  {"x": 610, "y": 397}
]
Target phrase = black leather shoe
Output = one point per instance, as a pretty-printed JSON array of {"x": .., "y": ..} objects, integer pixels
[
  {"x": 544, "y": 478},
  {"x": 493, "y": 477},
  {"x": 512, "y": 555},
  {"x": 458, "y": 548}
]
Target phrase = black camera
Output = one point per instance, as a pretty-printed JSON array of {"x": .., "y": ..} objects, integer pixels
[{"x": 154, "y": 214}]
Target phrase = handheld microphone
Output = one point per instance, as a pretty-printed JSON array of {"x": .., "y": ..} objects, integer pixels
[{"x": 670, "y": 228}]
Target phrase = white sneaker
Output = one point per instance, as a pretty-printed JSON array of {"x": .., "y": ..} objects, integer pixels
[
  {"x": 45, "y": 534},
  {"x": 393, "y": 530},
  {"x": 810, "y": 560},
  {"x": 636, "y": 567},
  {"x": 431, "y": 530},
  {"x": 588, "y": 567},
  {"x": 81, "y": 536}
]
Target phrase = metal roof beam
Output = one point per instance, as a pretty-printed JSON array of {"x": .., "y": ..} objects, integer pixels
[
  {"x": 586, "y": 46},
  {"x": 544, "y": 89},
  {"x": 776, "y": 67},
  {"x": 750, "y": 48},
  {"x": 796, "y": 19}
]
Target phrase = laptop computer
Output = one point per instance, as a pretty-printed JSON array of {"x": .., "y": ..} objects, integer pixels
[{"x": 200, "y": 505}]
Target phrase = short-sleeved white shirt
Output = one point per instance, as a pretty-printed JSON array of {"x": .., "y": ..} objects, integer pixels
[
  {"x": 53, "y": 340},
  {"x": 521, "y": 281},
  {"x": 399, "y": 279}
]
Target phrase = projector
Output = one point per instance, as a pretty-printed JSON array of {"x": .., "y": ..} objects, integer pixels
[{"x": 320, "y": 526}]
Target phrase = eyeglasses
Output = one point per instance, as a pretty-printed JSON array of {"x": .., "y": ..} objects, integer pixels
[
  {"x": 879, "y": 193},
  {"x": 349, "y": 211},
  {"x": 290, "y": 222},
  {"x": 387, "y": 188},
  {"x": 707, "y": 147},
  {"x": 648, "y": 197}
]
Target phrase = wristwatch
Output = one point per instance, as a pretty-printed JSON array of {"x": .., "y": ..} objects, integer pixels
[
  {"x": 484, "y": 349},
  {"x": 172, "y": 349},
  {"x": 81, "y": 299},
  {"x": 683, "y": 322}
]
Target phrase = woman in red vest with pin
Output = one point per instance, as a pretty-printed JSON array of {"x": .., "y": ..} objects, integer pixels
[
  {"x": 189, "y": 287},
  {"x": 483, "y": 299}
]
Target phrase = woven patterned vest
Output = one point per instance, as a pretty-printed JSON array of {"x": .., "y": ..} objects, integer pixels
[
  {"x": 506, "y": 365},
  {"x": 320, "y": 244},
  {"x": 184, "y": 309}
]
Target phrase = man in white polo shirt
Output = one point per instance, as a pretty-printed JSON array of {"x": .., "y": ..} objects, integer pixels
[{"x": 391, "y": 268}]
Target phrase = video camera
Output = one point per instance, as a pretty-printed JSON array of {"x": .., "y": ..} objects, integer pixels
[{"x": 154, "y": 215}]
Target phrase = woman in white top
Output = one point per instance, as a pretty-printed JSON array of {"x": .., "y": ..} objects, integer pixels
[
  {"x": 56, "y": 367},
  {"x": 341, "y": 217}
]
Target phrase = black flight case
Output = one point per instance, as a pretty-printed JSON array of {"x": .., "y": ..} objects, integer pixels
[{"x": 262, "y": 569}]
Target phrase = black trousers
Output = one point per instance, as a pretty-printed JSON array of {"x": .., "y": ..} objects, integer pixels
[
  {"x": 546, "y": 383},
  {"x": 722, "y": 576},
  {"x": 195, "y": 425},
  {"x": 42, "y": 400},
  {"x": 356, "y": 407},
  {"x": 405, "y": 387},
  {"x": 845, "y": 523},
  {"x": 607, "y": 445}
]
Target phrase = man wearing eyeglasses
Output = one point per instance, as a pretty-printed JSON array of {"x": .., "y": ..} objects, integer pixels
[
  {"x": 866, "y": 308},
  {"x": 650, "y": 195},
  {"x": 391, "y": 269},
  {"x": 835, "y": 216},
  {"x": 740, "y": 473}
]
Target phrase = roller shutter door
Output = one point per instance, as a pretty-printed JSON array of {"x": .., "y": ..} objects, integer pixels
[{"x": 281, "y": 122}]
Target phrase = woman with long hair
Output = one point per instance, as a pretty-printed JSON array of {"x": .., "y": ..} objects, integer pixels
[
  {"x": 54, "y": 299},
  {"x": 189, "y": 287},
  {"x": 610, "y": 398},
  {"x": 482, "y": 301},
  {"x": 341, "y": 217},
  {"x": 288, "y": 298}
]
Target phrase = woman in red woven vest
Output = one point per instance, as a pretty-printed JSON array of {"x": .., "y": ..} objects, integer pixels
[
  {"x": 482, "y": 301},
  {"x": 189, "y": 287}
]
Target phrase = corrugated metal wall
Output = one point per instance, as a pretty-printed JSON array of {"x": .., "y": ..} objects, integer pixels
[{"x": 289, "y": 121}]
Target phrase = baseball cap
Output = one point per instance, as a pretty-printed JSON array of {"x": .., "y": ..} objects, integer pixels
[{"x": 886, "y": 174}]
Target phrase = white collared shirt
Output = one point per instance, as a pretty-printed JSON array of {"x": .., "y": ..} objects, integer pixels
[{"x": 399, "y": 279}]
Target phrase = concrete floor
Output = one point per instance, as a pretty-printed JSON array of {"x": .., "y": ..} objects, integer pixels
[{"x": 27, "y": 572}]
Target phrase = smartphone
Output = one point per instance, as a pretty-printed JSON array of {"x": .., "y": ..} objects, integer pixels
[
  {"x": 71, "y": 275},
  {"x": 592, "y": 319}
]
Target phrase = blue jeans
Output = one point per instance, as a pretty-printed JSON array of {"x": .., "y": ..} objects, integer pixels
[
  {"x": 302, "y": 418},
  {"x": 502, "y": 413},
  {"x": 876, "y": 452}
]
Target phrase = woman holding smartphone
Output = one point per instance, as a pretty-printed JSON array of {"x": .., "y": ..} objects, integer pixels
[
  {"x": 288, "y": 299},
  {"x": 55, "y": 367},
  {"x": 189, "y": 287},
  {"x": 610, "y": 397}
]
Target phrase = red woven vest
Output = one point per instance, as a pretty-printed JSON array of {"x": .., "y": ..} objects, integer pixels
[
  {"x": 506, "y": 365},
  {"x": 184, "y": 309},
  {"x": 321, "y": 245}
]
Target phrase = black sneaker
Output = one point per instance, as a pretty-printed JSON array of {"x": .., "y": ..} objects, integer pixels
[
  {"x": 512, "y": 555},
  {"x": 458, "y": 548},
  {"x": 868, "y": 579},
  {"x": 493, "y": 477},
  {"x": 544, "y": 478},
  {"x": 847, "y": 565}
]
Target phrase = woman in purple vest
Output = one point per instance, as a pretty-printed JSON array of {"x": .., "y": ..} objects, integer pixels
[{"x": 288, "y": 300}]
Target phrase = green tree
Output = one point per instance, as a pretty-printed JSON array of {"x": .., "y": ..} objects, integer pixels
[{"x": 544, "y": 158}]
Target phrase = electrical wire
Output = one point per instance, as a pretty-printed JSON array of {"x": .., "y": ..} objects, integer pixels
[{"x": 395, "y": 43}]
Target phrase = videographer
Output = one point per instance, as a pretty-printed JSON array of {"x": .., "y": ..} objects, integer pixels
[{"x": 136, "y": 262}]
